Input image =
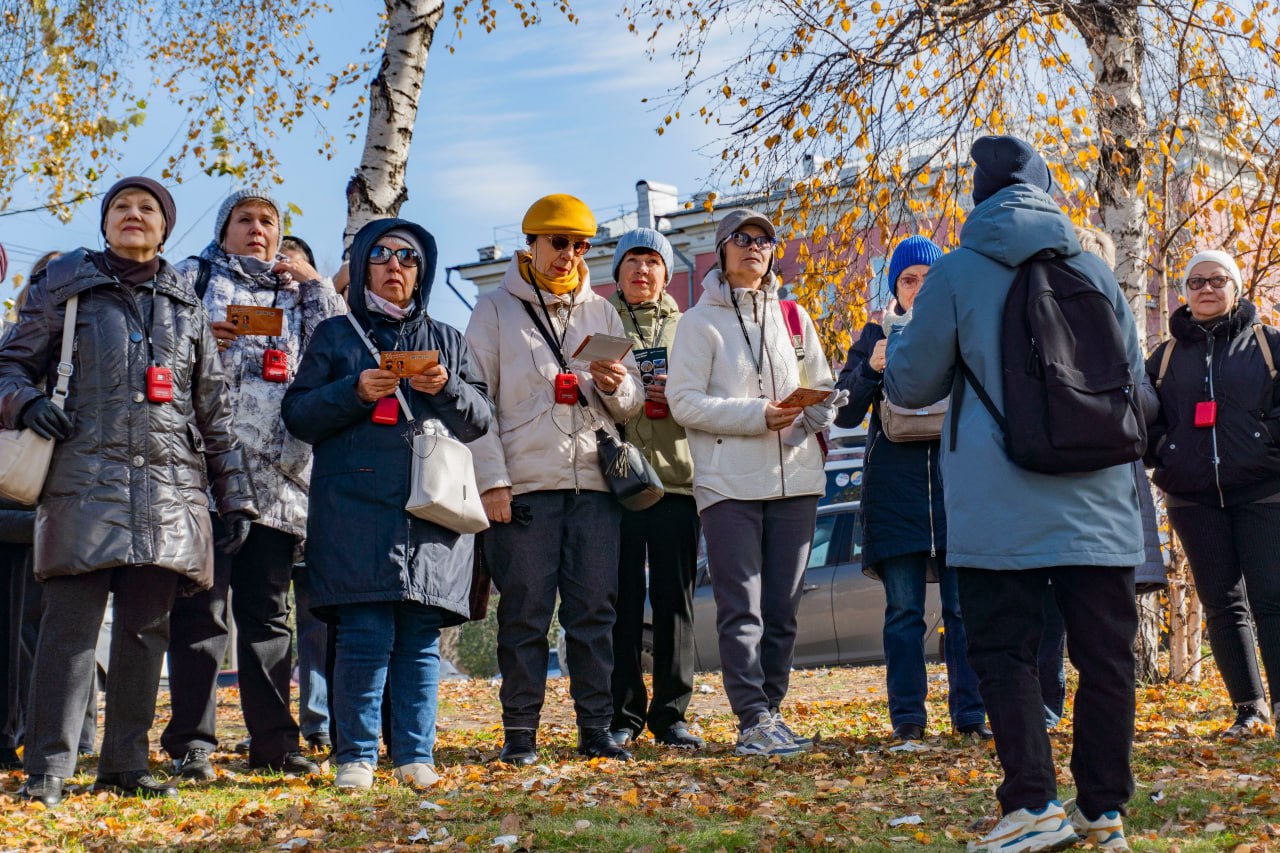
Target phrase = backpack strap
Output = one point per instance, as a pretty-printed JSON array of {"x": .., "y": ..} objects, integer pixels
[
  {"x": 1264, "y": 347},
  {"x": 201, "y": 285},
  {"x": 1168, "y": 354},
  {"x": 377, "y": 359},
  {"x": 969, "y": 376},
  {"x": 791, "y": 315}
]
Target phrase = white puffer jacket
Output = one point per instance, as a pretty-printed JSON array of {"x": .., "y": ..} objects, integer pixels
[
  {"x": 536, "y": 443},
  {"x": 714, "y": 393}
]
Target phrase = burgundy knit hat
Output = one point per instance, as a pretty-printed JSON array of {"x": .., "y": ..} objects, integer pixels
[
  {"x": 161, "y": 195},
  {"x": 4, "y": 262}
]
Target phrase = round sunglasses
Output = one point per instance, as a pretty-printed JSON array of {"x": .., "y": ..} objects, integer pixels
[
  {"x": 742, "y": 240},
  {"x": 559, "y": 242},
  {"x": 382, "y": 255}
]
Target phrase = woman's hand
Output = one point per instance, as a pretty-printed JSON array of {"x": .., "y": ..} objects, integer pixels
[
  {"x": 497, "y": 504},
  {"x": 656, "y": 392},
  {"x": 878, "y": 356},
  {"x": 374, "y": 384},
  {"x": 431, "y": 381},
  {"x": 776, "y": 417},
  {"x": 297, "y": 270},
  {"x": 224, "y": 333},
  {"x": 608, "y": 375}
]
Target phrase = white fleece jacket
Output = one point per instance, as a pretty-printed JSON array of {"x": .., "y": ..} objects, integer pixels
[{"x": 714, "y": 393}]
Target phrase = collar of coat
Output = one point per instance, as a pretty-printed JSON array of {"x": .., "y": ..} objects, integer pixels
[
  {"x": 1188, "y": 330},
  {"x": 75, "y": 272}
]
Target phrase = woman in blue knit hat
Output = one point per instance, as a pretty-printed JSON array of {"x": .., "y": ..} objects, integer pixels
[{"x": 905, "y": 524}]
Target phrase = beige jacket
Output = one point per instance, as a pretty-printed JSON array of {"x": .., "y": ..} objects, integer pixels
[
  {"x": 714, "y": 394},
  {"x": 537, "y": 444}
]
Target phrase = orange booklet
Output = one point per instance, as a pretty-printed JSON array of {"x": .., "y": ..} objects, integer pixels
[
  {"x": 256, "y": 320},
  {"x": 411, "y": 363},
  {"x": 802, "y": 397}
]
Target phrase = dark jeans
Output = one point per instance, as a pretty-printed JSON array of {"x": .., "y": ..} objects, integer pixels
[
  {"x": 905, "y": 579},
  {"x": 65, "y": 666},
  {"x": 258, "y": 578},
  {"x": 663, "y": 539},
  {"x": 1234, "y": 554},
  {"x": 1051, "y": 661},
  {"x": 570, "y": 546},
  {"x": 756, "y": 553},
  {"x": 313, "y": 686},
  {"x": 1004, "y": 611}
]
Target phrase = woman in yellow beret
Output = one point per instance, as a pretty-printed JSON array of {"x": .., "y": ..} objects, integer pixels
[{"x": 555, "y": 524}]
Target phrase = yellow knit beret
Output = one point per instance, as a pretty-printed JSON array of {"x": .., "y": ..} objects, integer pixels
[{"x": 559, "y": 214}]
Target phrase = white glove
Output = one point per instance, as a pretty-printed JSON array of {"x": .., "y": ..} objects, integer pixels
[{"x": 814, "y": 419}]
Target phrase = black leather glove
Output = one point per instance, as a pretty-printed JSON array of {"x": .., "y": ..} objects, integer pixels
[
  {"x": 235, "y": 527},
  {"x": 46, "y": 420}
]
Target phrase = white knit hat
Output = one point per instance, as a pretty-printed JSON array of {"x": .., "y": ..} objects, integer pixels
[{"x": 1218, "y": 257}]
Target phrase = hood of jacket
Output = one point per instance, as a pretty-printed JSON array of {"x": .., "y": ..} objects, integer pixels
[
  {"x": 78, "y": 273},
  {"x": 1187, "y": 329},
  {"x": 515, "y": 284},
  {"x": 232, "y": 267},
  {"x": 716, "y": 289},
  {"x": 1018, "y": 223},
  {"x": 364, "y": 242}
]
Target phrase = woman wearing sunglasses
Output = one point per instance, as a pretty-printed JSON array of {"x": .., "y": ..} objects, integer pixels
[
  {"x": 555, "y": 523},
  {"x": 757, "y": 467},
  {"x": 1216, "y": 450},
  {"x": 386, "y": 580}
]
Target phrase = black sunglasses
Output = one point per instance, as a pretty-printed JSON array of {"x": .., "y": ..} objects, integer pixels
[
  {"x": 559, "y": 242},
  {"x": 382, "y": 255},
  {"x": 742, "y": 240}
]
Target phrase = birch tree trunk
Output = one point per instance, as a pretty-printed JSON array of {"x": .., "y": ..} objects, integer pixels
[
  {"x": 378, "y": 187},
  {"x": 1113, "y": 34}
]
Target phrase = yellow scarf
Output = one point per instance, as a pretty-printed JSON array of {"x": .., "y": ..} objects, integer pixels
[{"x": 566, "y": 283}]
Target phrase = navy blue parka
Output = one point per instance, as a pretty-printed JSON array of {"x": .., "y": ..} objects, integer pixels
[{"x": 362, "y": 546}]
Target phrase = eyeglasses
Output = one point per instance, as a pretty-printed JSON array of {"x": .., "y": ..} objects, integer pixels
[
  {"x": 1217, "y": 282},
  {"x": 742, "y": 240},
  {"x": 382, "y": 255},
  {"x": 559, "y": 242},
  {"x": 910, "y": 281}
]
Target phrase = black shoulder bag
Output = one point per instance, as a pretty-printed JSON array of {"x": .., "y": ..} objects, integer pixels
[{"x": 631, "y": 478}]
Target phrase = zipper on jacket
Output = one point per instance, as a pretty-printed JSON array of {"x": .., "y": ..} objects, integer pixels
[
  {"x": 1213, "y": 430},
  {"x": 933, "y": 539}
]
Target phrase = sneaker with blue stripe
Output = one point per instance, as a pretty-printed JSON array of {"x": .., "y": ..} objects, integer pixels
[
  {"x": 1105, "y": 833},
  {"x": 1025, "y": 831},
  {"x": 765, "y": 738}
]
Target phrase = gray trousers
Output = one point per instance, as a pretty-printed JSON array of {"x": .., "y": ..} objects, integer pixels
[
  {"x": 567, "y": 543},
  {"x": 756, "y": 554},
  {"x": 65, "y": 667}
]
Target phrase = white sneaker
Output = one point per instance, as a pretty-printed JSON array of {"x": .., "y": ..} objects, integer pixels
[
  {"x": 1106, "y": 833},
  {"x": 805, "y": 743},
  {"x": 420, "y": 775},
  {"x": 355, "y": 774},
  {"x": 1025, "y": 830},
  {"x": 766, "y": 738}
]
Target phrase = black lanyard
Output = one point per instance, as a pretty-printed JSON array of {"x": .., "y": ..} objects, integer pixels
[
  {"x": 758, "y": 362},
  {"x": 635, "y": 325},
  {"x": 147, "y": 328}
]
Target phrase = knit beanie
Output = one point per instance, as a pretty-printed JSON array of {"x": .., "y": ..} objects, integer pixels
[
  {"x": 647, "y": 239},
  {"x": 159, "y": 193},
  {"x": 232, "y": 201},
  {"x": 1218, "y": 257},
  {"x": 559, "y": 214},
  {"x": 909, "y": 253},
  {"x": 1001, "y": 161},
  {"x": 408, "y": 237}
]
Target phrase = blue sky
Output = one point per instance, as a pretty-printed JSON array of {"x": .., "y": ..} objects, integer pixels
[{"x": 510, "y": 116}]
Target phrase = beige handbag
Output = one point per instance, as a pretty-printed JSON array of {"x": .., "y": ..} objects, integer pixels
[
  {"x": 25, "y": 456},
  {"x": 901, "y": 424}
]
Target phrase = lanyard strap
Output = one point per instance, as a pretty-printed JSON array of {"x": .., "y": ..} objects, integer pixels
[
  {"x": 757, "y": 362},
  {"x": 377, "y": 359},
  {"x": 557, "y": 346},
  {"x": 662, "y": 324},
  {"x": 546, "y": 336}
]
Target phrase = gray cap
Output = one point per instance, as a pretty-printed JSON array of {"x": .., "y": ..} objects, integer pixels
[
  {"x": 735, "y": 221},
  {"x": 235, "y": 200},
  {"x": 645, "y": 239}
]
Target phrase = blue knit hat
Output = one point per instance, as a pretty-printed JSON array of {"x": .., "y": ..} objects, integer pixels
[
  {"x": 649, "y": 240},
  {"x": 910, "y": 252},
  {"x": 1001, "y": 161}
]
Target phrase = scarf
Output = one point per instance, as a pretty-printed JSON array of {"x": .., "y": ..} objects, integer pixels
[
  {"x": 566, "y": 283},
  {"x": 126, "y": 270},
  {"x": 382, "y": 306}
]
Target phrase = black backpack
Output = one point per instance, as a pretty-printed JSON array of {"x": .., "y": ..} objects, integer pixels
[
  {"x": 1068, "y": 391},
  {"x": 201, "y": 284}
]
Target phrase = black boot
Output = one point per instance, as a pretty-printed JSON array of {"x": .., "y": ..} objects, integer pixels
[
  {"x": 45, "y": 789},
  {"x": 133, "y": 783},
  {"x": 598, "y": 743},
  {"x": 519, "y": 746}
]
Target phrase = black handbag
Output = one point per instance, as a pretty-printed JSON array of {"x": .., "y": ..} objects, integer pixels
[{"x": 631, "y": 478}]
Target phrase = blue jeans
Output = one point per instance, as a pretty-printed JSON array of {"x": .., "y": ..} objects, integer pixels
[
  {"x": 313, "y": 689},
  {"x": 391, "y": 644},
  {"x": 905, "y": 579}
]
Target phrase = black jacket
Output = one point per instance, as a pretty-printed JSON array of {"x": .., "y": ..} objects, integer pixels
[
  {"x": 1246, "y": 438},
  {"x": 902, "y": 505},
  {"x": 129, "y": 486},
  {"x": 362, "y": 546}
]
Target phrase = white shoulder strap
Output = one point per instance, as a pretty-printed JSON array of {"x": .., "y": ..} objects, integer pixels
[
  {"x": 377, "y": 359},
  {"x": 65, "y": 365}
]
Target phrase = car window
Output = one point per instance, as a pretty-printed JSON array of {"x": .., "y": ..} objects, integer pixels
[
  {"x": 856, "y": 538},
  {"x": 823, "y": 551},
  {"x": 844, "y": 482}
]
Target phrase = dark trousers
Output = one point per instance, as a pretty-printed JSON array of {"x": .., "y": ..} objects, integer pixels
[
  {"x": 663, "y": 539},
  {"x": 1051, "y": 660},
  {"x": 570, "y": 546},
  {"x": 756, "y": 553},
  {"x": 65, "y": 665},
  {"x": 1234, "y": 555},
  {"x": 258, "y": 578},
  {"x": 1004, "y": 614}
]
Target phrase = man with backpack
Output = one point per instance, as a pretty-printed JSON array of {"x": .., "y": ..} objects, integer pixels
[{"x": 1035, "y": 343}]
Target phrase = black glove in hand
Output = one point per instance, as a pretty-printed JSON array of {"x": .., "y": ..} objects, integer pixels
[
  {"x": 235, "y": 527},
  {"x": 46, "y": 420}
]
